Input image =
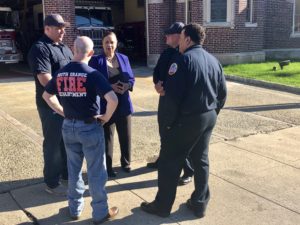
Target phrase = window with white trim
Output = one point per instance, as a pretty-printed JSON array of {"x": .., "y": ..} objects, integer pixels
[
  {"x": 296, "y": 17},
  {"x": 250, "y": 21},
  {"x": 218, "y": 12},
  {"x": 249, "y": 11}
]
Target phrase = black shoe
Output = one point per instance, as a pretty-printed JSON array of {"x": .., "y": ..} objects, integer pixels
[
  {"x": 126, "y": 168},
  {"x": 111, "y": 173},
  {"x": 75, "y": 217},
  {"x": 152, "y": 165},
  {"x": 199, "y": 211},
  {"x": 152, "y": 209},
  {"x": 184, "y": 180}
]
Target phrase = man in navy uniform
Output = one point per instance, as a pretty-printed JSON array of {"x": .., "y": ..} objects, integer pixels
[
  {"x": 159, "y": 78},
  {"x": 195, "y": 91},
  {"x": 45, "y": 58},
  {"x": 79, "y": 87}
]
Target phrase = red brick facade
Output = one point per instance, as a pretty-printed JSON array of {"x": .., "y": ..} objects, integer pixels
[
  {"x": 274, "y": 21},
  {"x": 67, "y": 10},
  {"x": 159, "y": 19},
  {"x": 278, "y": 25}
]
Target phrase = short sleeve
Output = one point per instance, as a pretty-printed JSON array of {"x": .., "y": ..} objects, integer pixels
[
  {"x": 39, "y": 59},
  {"x": 102, "y": 85},
  {"x": 51, "y": 87}
]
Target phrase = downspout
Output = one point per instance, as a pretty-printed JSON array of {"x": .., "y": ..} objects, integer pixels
[
  {"x": 147, "y": 29},
  {"x": 43, "y": 3},
  {"x": 186, "y": 11}
]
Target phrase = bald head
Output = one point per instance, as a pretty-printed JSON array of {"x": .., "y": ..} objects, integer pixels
[{"x": 83, "y": 45}]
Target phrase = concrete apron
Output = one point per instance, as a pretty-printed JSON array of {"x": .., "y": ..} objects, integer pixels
[{"x": 249, "y": 185}]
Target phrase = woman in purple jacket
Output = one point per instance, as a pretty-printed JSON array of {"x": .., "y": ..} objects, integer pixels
[{"x": 116, "y": 68}]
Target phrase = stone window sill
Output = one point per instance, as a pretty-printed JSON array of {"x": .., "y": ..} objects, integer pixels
[{"x": 249, "y": 24}]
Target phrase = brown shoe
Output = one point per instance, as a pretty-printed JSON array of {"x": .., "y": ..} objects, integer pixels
[{"x": 112, "y": 212}]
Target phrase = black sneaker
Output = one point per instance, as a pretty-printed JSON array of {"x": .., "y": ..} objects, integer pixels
[
  {"x": 111, "y": 173},
  {"x": 152, "y": 165},
  {"x": 184, "y": 180},
  {"x": 126, "y": 168},
  {"x": 199, "y": 211}
]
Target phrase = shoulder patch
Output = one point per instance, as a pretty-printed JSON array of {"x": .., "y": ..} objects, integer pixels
[{"x": 173, "y": 69}]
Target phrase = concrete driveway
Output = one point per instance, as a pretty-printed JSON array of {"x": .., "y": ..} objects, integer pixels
[{"x": 254, "y": 154}]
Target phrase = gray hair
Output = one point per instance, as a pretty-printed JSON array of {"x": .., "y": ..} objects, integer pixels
[{"x": 83, "y": 45}]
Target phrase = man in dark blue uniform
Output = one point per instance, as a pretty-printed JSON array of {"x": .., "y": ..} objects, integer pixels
[
  {"x": 159, "y": 78},
  {"x": 195, "y": 92},
  {"x": 79, "y": 87},
  {"x": 45, "y": 57}
]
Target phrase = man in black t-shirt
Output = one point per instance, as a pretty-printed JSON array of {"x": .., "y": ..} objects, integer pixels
[
  {"x": 79, "y": 88},
  {"x": 45, "y": 57}
]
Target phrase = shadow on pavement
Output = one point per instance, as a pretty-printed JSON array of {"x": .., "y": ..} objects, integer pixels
[
  {"x": 259, "y": 108},
  {"x": 33, "y": 194},
  {"x": 145, "y": 113},
  {"x": 6, "y": 186}
]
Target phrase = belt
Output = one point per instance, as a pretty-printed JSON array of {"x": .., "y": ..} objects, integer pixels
[{"x": 87, "y": 120}]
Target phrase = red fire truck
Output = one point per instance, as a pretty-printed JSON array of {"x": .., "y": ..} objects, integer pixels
[{"x": 8, "y": 49}]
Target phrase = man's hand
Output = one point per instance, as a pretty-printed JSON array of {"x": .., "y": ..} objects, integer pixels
[
  {"x": 159, "y": 88},
  {"x": 102, "y": 118}
]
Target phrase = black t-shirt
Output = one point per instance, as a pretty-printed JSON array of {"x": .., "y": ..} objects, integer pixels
[
  {"x": 47, "y": 57},
  {"x": 78, "y": 87}
]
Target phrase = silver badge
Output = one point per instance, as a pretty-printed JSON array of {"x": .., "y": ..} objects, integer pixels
[{"x": 173, "y": 69}]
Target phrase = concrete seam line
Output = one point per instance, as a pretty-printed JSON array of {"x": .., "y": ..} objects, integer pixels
[
  {"x": 27, "y": 213},
  {"x": 140, "y": 197},
  {"x": 27, "y": 131},
  {"x": 264, "y": 84},
  {"x": 255, "y": 153},
  {"x": 252, "y": 192}
]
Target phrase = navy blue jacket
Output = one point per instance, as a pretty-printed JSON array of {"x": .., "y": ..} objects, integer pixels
[
  {"x": 195, "y": 84},
  {"x": 161, "y": 69}
]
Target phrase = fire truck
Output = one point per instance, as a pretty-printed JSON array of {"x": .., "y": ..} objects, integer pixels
[
  {"x": 93, "y": 21},
  {"x": 9, "y": 52}
]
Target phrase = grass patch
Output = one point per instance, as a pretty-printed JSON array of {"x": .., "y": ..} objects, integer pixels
[{"x": 290, "y": 75}]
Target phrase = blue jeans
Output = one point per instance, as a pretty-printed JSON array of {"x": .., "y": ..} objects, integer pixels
[
  {"x": 55, "y": 159},
  {"x": 86, "y": 140}
]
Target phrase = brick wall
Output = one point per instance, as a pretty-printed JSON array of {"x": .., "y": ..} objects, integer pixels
[
  {"x": 274, "y": 25},
  {"x": 180, "y": 12},
  {"x": 159, "y": 19},
  {"x": 67, "y": 11},
  {"x": 237, "y": 38},
  {"x": 279, "y": 21}
]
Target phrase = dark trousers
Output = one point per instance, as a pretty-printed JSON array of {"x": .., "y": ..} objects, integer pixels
[
  {"x": 188, "y": 169},
  {"x": 55, "y": 159},
  {"x": 123, "y": 126},
  {"x": 190, "y": 135}
]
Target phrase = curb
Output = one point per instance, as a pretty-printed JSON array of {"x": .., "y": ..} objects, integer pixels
[{"x": 264, "y": 84}]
